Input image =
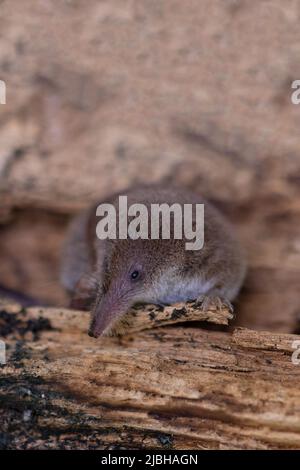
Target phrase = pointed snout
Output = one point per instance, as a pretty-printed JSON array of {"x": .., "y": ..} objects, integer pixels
[
  {"x": 96, "y": 330},
  {"x": 105, "y": 314},
  {"x": 98, "y": 325},
  {"x": 92, "y": 332}
]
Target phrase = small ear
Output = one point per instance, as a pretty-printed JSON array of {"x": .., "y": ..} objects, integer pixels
[{"x": 85, "y": 293}]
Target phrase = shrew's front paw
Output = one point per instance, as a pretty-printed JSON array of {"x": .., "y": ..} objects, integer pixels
[{"x": 213, "y": 302}]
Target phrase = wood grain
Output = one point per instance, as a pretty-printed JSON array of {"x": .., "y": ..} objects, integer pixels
[{"x": 173, "y": 387}]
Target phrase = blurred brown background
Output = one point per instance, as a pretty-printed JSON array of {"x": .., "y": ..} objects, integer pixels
[{"x": 105, "y": 94}]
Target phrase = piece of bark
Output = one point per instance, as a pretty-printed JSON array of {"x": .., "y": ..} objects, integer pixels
[
  {"x": 178, "y": 388},
  {"x": 138, "y": 318},
  {"x": 152, "y": 316}
]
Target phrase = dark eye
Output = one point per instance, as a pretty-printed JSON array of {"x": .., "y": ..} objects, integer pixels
[{"x": 134, "y": 275}]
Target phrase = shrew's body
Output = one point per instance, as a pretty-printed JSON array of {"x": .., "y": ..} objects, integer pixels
[{"x": 109, "y": 276}]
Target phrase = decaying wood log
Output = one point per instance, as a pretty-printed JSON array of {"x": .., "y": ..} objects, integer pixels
[{"x": 173, "y": 387}]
